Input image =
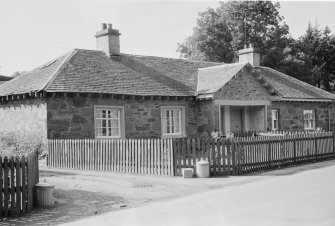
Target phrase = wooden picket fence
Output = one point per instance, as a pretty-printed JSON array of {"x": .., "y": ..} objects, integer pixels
[
  {"x": 18, "y": 177},
  {"x": 250, "y": 154},
  {"x": 146, "y": 156}
]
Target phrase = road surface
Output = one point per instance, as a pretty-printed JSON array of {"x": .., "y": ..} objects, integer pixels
[{"x": 303, "y": 198}]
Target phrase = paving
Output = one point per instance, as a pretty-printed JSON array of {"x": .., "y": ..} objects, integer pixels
[{"x": 80, "y": 194}]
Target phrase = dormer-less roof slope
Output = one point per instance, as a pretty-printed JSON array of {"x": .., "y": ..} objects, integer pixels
[
  {"x": 291, "y": 88},
  {"x": 211, "y": 79},
  {"x": 34, "y": 80},
  {"x": 92, "y": 71}
]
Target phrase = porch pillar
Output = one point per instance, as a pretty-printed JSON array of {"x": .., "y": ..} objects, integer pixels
[{"x": 226, "y": 118}]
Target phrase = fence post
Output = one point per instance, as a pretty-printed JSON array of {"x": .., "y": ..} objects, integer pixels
[
  {"x": 269, "y": 153},
  {"x": 334, "y": 143},
  {"x": 174, "y": 150},
  {"x": 316, "y": 146},
  {"x": 294, "y": 149},
  {"x": 233, "y": 148}
]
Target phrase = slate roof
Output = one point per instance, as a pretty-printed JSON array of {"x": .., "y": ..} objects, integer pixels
[
  {"x": 91, "y": 71},
  {"x": 289, "y": 87},
  {"x": 211, "y": 79},
  {"x": 34, "y": 80}
]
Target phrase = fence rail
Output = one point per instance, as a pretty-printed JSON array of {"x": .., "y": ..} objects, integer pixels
[
  {"x": 18, "y": 177},
  {"x": 147, "y": 156},
  {"x": 250, "y": 154}
]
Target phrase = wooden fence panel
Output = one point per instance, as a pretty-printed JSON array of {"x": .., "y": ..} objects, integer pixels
[
  {"x": 17, "y": 175},
  {"x": 151, "y": 156}
]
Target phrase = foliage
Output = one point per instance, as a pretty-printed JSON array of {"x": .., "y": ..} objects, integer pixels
[
  {"x": 316, "y": 49},
  {"x": 21, "y": 144},
  {"x": 220, "y": 32}
]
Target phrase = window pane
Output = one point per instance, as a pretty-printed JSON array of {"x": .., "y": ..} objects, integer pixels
[
  {"x": 114, "y": 123},
  {"x": 114, "y": 113},
  {"x": 115, "y": 132},
  {"x": 176, "y": 125}
]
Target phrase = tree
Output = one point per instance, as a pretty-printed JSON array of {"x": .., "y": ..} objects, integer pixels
[
  {"x": 316, "y": 49},
  {"x": 221, "y": 32}
]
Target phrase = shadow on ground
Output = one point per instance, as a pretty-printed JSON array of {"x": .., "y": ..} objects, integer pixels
[{"x": 70, "y": 205}]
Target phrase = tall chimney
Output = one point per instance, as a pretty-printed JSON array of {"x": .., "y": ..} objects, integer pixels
[
  {"x": 250, "y": 55},
  {"x": 108, "y": 40}
]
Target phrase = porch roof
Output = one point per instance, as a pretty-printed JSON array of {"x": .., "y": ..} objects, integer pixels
[{"x": 211, "y": 79}]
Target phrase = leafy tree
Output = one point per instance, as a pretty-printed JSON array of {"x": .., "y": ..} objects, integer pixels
[
  {"x": 316, "y": 52},
  {"x": 221, "y": 32}
]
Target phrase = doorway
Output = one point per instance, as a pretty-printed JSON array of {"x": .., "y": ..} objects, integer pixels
[{"x": 236, "y": 118}]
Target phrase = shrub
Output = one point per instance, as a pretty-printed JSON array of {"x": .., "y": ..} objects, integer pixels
[{"x": 21, "y": 144}]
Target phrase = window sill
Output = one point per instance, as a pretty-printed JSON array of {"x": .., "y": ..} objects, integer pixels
[{"x": 170, "y": 136}]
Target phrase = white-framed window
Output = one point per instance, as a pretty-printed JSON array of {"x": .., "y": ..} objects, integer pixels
[
  {"x": 309, "y": 119},
  {"x": 108, "y": 121},
  {"x": 173, "y": 121},
  {"x": 274, "y": 119}
]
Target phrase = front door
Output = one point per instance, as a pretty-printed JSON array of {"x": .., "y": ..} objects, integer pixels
[{"x": 236, "y": 118}]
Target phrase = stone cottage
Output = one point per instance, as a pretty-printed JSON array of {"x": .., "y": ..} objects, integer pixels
[{"x": 106, "y": 94}]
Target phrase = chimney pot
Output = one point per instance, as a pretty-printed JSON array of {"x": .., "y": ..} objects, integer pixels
[
  {"x": 103, "y": 26},
  {"x": 110, "y": 26}
]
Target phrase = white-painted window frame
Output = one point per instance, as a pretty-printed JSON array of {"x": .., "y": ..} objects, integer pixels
[
  {"x": 181, "y": 110},
  {"x": 120, "y": 119},
  {"x": 309, "y": 116},
  {"x": 274, "y": 119}
]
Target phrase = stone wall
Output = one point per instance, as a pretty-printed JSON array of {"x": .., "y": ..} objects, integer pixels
[
  {"x": 291, "y": 114},
  {"x": 244, "y": 86},
  {"x": 73, "y": 117},
  {"x": 28, "y": 115}
]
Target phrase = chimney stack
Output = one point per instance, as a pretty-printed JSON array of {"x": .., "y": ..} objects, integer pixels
[
  {"x": 108, "y": 40},
  {"x": 250, "y": 55}
]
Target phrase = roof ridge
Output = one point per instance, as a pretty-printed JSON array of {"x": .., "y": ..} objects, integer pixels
[
  {"x": 184, "y": 59},
  {"x": 67, "y": 58},
  {"x": 222, "y": 65}
]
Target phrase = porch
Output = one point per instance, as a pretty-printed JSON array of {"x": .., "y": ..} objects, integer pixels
[{"x": 238, "y": 115}]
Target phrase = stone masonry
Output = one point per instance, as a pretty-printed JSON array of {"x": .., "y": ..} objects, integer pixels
[
  {"x": 291, "y": 114},
  {"x": 73, "y": 117}
]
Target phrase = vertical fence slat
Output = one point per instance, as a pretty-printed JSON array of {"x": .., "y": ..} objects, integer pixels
[
  {"x": 1, "y": 187},
  {"x": 17, "y": 185},
  {"x": 6, "y": 189},
  {"x": 12, "y": 187}
]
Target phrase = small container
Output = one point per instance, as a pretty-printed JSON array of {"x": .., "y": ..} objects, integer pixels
[
  {"x": 44, "y": 194},
  {"x": 202, "y": 169}
]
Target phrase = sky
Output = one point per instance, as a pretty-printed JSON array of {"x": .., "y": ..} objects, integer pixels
[{"x": 36, "y": 31}]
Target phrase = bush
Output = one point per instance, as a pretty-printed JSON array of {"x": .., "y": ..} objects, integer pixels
[{"x": 21, "y": 144}]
